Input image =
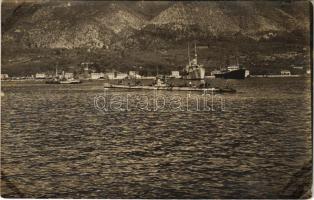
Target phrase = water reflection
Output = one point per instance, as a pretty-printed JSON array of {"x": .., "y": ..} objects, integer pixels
[{"x": 56, "y": 144}]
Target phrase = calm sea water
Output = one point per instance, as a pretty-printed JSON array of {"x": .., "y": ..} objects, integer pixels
[{"x": 54, "y": 143}]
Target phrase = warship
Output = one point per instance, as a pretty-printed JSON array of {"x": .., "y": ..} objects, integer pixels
[
  {"x": 62, "y": 79},
  {"x": 193, "y": 70}
]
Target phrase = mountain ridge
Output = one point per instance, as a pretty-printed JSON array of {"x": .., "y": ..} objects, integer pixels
[
  {"x": 120, "y": 32},
  {"x": 212, "y": 19}
]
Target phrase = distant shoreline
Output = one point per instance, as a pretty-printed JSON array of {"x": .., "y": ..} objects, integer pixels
[{"x": 101, "y": 80}]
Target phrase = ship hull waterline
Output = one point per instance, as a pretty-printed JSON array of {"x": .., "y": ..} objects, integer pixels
[
  {"x": 236, "y": 74},
  {"x": 216, "y": 90}
]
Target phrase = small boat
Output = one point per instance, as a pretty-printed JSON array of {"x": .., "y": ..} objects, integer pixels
[{"x": 55, "y": 79}]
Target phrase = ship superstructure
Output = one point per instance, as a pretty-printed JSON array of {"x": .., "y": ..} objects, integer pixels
[{"x": 193, "y": 70}]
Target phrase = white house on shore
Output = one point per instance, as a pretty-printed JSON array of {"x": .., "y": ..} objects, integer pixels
[
  {"x": 247, "y": 73},
  {"x": 175, "y": 74},
  {"x": 115, "y": 76},
  {"x": 4, "y": 76},
  {"x": 285, "y": 73},
  {"x": 40, "y": 75}
]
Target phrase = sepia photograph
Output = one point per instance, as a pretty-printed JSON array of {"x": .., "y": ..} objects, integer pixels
[{"x": 156, "y": 99}]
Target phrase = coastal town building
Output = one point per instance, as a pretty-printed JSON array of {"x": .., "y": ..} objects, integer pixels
[
  {"x": 247, "y": 73},
  {"x": 4, "y": 76},
  {"x": 175, "y": 74},
  {"x": 285, "y": 73},
  {"x": 115, "y": 75},
  {"x": 40, "y": 75}
]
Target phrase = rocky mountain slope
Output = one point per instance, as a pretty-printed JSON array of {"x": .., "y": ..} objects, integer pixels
[
  {"x": 71, "y": 25},
  {"x": 124, "y": 30}
]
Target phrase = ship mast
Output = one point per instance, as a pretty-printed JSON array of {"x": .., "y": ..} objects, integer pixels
[
  {"x": 195, "y": 53},
  {"x": 189, "y": 53}
]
